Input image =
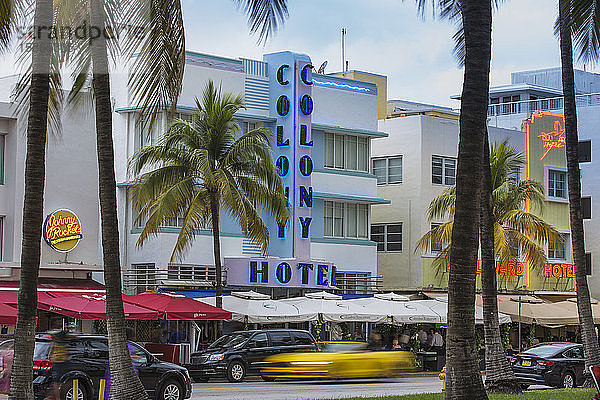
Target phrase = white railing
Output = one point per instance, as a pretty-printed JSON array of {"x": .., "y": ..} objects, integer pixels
[{"x": 547, "y": 104}]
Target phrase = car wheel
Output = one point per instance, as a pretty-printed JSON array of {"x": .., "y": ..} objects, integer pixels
[
  {"x": 568, "y": 380},
  {"x": 171, "y": 390},
  {"x": 268, "y": 378},
  {"x": 236, "y": 371},
  {"x": 66, "y": 391}
]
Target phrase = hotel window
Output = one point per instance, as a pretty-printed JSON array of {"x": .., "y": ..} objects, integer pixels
[
  {"x": 248, "y": 126},
  {"x": 345, "y": 219},
  {"x": 388, "y": 170},
  {"x": 436, "y": 246},
  {"x": 146, "y": 136},
  {"x": 588, "y": 263},
  {"x": 346, "y": 152},
  {"x": 557, "y": 186},
  {"x": 189, "y": 272},
  {"x": 557, "y": 251},
  {"x": 387, "y": 236},
  {"x": 2, "y": 147},
  {"x": 585, "y": 151},
  {"x": 443, "y": 171},
  {"x": 586, "y": 207}
]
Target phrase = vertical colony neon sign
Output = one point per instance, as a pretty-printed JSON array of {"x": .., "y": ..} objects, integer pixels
[{"x": 294, "y": 143}]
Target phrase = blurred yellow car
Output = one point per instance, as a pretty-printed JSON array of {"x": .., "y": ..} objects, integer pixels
[{"x": 338, "y": 360}]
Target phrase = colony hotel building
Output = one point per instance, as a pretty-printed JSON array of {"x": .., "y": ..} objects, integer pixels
[
  {"x": 527, "y": 113},
  {"x": 323, "y": 127}
]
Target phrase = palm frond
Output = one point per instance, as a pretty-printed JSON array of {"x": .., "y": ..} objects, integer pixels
[
  {"x": 264, "y": 16},
  {"x": 155, "y": 42},
  {"x": 442, "y": 205},
  {"x": 585, "y": 25}
]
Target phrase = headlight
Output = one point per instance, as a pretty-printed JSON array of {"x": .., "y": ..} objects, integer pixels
[{"x": 216, "y": 357}]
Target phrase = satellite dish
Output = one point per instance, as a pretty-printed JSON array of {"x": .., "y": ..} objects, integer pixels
[{"x": 322, "y": 68}]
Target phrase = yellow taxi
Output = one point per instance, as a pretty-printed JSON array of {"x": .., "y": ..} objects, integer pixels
[{"x": 338, "y": 360}]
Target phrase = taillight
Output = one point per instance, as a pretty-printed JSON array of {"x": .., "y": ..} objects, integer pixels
[
  {"x": 545, "y": 363},
  {"x": 42, "y": 365},
  {"x": 513, "y": 360}
]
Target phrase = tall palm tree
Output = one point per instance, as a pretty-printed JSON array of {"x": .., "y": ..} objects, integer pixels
[
  {"x": 578, "y": 17},
  {"x": 33, "y": 203},
  {"x": 506, "y": 231},
  {"x": 155, "y": 80},
  {"x": 204, "y": 167}
]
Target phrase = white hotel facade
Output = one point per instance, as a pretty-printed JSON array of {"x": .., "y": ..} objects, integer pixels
[{"x": 325, "y": 125}]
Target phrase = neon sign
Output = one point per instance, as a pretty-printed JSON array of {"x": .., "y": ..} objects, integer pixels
[
  {"x": 62, "y": 230},
  {"x": 559, "y": 270},
  {"x": 553, "y": 140},
  {"x": 508, "y": 269}
]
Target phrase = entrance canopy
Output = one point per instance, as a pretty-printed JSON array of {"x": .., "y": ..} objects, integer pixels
[
  {"x": 331, "y": 308},
  {"x": 8, "y": 315},
  {"x": 91, "y": 307},
  {"x": 176, "y": 306},
  {"x": 260, "y": 309}
]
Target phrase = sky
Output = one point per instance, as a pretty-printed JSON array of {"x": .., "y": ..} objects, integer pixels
[{"x": 387, "y": 37}]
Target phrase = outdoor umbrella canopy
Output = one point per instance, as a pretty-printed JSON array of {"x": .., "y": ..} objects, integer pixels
[
  {"x": 440, "y": 306},
  {"x": 12, "y": 296},
  {"x": 8, "y": 314},
  {"x": 260, "y": 310},
  {"x": 176, "y": 306},
  {"x": 331, "y": 308},
  {"x": 91, "y": 307},
  {"x": 399, "y": 311}
]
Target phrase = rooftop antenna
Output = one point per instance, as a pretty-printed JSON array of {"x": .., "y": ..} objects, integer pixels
[{"x": 344, "y": 49}]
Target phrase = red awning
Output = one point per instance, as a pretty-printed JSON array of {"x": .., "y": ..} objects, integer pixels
[
  {"x": 11, "y": 296},
  {"x": 8, "y": 314},
  {"x": 175, "y": 306},
  {"x": 90, "y": 307}
]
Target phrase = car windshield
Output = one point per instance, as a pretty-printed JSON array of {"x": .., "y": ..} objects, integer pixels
[
  {"x": 41, "y": 350},
  {"x": 231, "y": 340},
  {"x": 342, "y": 347},
  {"x": 544, "y": 350}
]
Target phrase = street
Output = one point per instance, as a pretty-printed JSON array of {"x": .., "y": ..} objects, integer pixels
[{"x": 282, "y": 390}]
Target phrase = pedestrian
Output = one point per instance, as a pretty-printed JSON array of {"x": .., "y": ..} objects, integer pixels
[
  {"x": 357, "y": 335},
  {"x": 509, "y": 350},
  {"x": 375, "y": 340},
  {"x": 422, "y": 338},
  {"x": 437, "y": 341},
  {"x": 59, "y": 357}
]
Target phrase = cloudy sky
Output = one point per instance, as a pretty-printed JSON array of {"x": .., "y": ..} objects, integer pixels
[{"x": 384, "y": 36}]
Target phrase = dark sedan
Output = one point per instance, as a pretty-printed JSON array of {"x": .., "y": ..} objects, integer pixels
[{"x": 550, "y": 364}]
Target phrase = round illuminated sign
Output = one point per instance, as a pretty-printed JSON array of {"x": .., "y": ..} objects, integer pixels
[{"x": 62, "y": 230}]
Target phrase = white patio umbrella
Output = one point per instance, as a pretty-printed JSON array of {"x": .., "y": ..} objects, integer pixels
[
  {"x": 398, "y": 309},
  {"x": 331, "y": 308},
  {"x": 440, "y": 306},
  {"x": 256, "y": 308}
]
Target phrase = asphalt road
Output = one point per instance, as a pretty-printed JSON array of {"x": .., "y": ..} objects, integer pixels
[{"x": 292, "y": 390}]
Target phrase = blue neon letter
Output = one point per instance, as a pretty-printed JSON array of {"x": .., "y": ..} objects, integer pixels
[{"x": 263, "y": 271}]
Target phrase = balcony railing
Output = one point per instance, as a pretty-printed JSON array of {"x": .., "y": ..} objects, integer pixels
[
  {"x": 547, "y": 104},
  {"x": 189, "y": 276}
]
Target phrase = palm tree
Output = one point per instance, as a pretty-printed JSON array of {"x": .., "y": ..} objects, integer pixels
[
  {"x": 506, "y": 231},
  {"x": 579, "y": 18},
  {"x": 206, "y": 166},
  {"x": 33, "y": 203},
  {"x": 156, "y": 79}
]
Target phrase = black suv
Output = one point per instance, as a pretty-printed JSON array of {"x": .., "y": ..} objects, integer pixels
[
  {"x": 239, "y": 354},
  {"x": 89, "y": 361}
]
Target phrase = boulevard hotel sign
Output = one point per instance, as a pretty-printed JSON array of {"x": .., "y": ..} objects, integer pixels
[{"x": 292, "y": 104}]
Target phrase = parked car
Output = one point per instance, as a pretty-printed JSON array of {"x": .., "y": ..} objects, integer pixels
[
  {"x": 551, "y": 364},
  {"x": 339, "y": 360},
  {"x": 239, "y": 354},
  {"x": 89, "y": 361}
]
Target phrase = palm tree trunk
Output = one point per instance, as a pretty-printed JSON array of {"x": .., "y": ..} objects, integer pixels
[
  {"x": 214, "y": 210},
  {"x": 33, "y": 205},
  {"x": 125, "y": 384},
  {"x": 584, "y": 307},
  {"x": 462, "y": 372},
  {"x": 499, "y": 376}
]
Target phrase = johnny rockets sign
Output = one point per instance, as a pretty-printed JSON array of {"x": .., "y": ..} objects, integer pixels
[{"x": 62, "y": 230}]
